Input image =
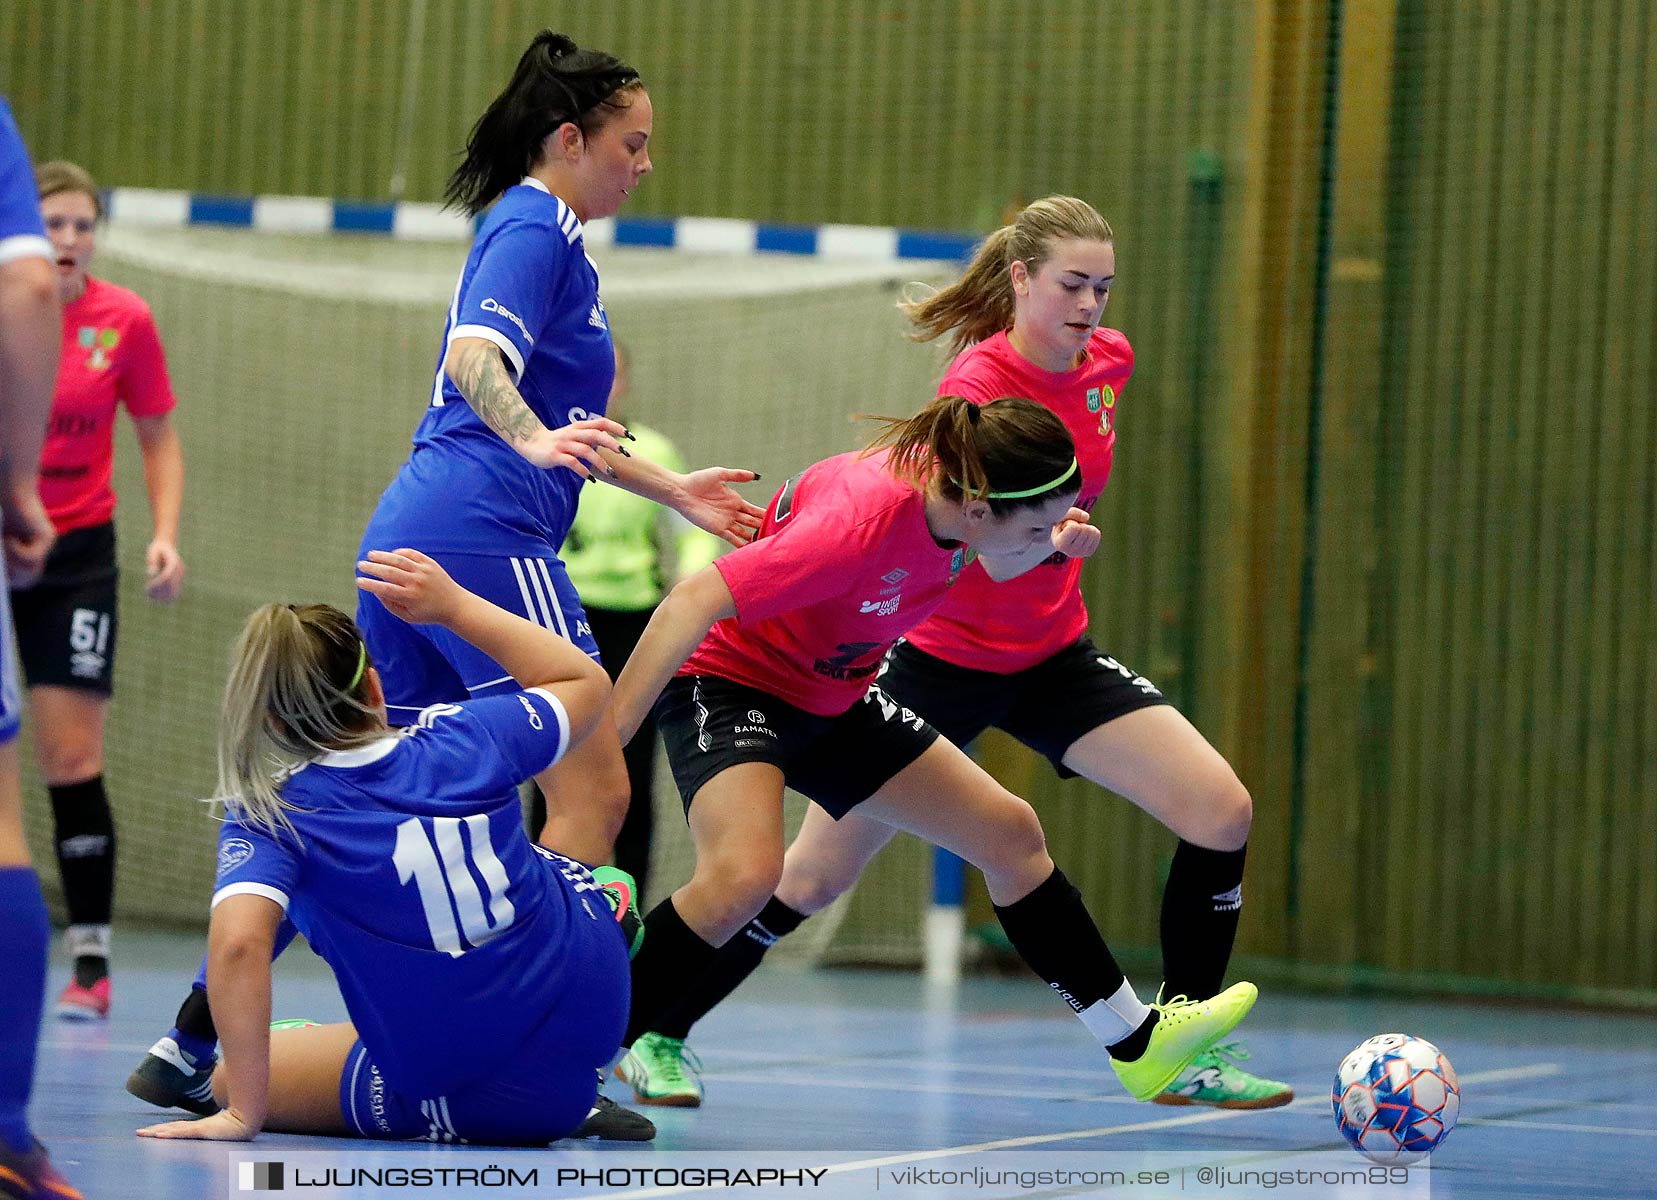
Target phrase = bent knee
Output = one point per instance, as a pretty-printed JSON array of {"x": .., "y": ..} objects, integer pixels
[
  {"x": 611, "y": 797},
  {"x": 61, "y": 765},
  {"x": 811, "y": 887},
  {"x": 732, "y": 892},
  {"x": 1228, "y": 816},
  {"x": 1016, "y": 838}
]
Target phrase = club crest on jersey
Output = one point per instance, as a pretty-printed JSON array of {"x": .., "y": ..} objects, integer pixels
[
  {"x": 1101, "y": 400},
  {"x": 233, "y": 853},
  {"x": 100, "y": 342}
]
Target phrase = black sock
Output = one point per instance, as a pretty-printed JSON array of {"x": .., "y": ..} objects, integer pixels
[
  {"x": 1201, "y": 904},
  {"x": 1132, "y": 1047},
  {"x": 195, "y": 1018},
  {"x": 736, "y": 960},
  {"x": 1052, "y": 931},
  {"x": 673, "y": 957},
  {"x": 84, "y": 830}
]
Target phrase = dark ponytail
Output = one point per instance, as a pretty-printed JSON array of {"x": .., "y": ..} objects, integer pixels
[
  {"x": 975, "y": 451},
  {"x": 556, "y": 81}
]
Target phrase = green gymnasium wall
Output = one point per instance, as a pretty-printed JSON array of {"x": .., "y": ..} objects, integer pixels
[{"x": 1383, "y": 509}]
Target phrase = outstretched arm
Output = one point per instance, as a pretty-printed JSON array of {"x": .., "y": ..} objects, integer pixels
[
  {"x": 415, "y": 588},
  {"x": 474, "y": 366},
  {"x": 704, "y": 498},
  {"x": 676, "y": 628}
]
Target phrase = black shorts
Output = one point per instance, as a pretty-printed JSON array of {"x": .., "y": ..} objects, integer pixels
[
  {"x": 1048, "y": 707},
  {"x": 66, "y": 624},
  {"x": 709, "y": 724}
]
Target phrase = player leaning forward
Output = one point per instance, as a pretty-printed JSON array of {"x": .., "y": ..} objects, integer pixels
[
  {"x": 766, "y": 658},
  {"x": 1024, "y": 320}
]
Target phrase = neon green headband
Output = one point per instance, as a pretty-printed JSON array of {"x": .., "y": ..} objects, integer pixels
[
  {"x": 1026, "y": 493},
  {"x": 362, "y": 664}
]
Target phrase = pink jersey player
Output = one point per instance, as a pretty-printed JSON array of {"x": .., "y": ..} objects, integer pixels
[
  {"x": 111, "y": 358},
  {"x": 762, "y": 663},
  {"x": 1013, "y": 625},
  {"x": 843, "y": 565},
  {"x": 68, "y": 622},
  {"x": 1024, "y": 320}
]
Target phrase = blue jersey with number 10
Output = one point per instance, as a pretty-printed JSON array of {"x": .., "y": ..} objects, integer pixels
[
  {"x": 412, "y": 876},
  {"x": 528, "y": 287}
]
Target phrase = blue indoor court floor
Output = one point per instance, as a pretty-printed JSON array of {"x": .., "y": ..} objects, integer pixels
[{"x": 873, "y": 1067}]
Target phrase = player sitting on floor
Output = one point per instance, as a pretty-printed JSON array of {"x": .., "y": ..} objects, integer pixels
[{"x": 485, "y": 978}]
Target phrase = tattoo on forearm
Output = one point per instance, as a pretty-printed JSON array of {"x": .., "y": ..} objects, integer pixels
[{"x": 482, "y": 379}]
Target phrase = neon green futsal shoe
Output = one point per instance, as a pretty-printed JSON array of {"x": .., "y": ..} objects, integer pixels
[
  {"x": 662, "y": 1070},
  {"x": 1184, "y": 1029},
  {"x": 293, "y": 1023},
  {"x": 1215, "y": 1077}
]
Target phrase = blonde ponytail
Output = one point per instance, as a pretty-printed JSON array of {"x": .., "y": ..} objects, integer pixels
[{"x": 297, "y": 687}]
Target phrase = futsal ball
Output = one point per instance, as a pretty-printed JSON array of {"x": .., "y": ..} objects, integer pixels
[{"x": 1396, "y": 1098}]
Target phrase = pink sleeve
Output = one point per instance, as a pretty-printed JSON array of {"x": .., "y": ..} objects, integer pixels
[
  {"x": 144, "y": 387},
  {"x": 799, "y": 564}
]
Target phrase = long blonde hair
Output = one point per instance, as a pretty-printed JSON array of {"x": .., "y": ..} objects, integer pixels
[
  {"x": 980, "y": 303},
  {"x": 972, "y": 451},
  {"x": 298, "y": 687}
]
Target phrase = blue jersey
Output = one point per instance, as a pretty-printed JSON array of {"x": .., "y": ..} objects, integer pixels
[
  {"x": 21, "y": 236},
  {"x": 21, "y": 233},
  {"x": 412, "y": 876},
  {"x": 529, "y": 287}
]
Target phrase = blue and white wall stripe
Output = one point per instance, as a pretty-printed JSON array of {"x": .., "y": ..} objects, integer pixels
[{"x": 153, "y": 208}]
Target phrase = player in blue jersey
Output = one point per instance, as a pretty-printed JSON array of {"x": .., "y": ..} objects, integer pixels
[
  {"x": 516, "y": 419},
  {"x": 485, "y": 977},
  {"x": 29, "y": 316},
  {"x": 513, "y": 427}
]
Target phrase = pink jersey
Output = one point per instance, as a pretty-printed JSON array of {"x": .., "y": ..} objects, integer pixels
[
  {"x": 843, "y": 566},
  {"x": 1006, "y": 627},
  {"x": 111, "y": 354}
]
